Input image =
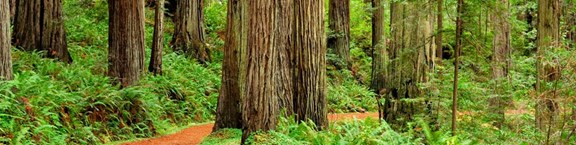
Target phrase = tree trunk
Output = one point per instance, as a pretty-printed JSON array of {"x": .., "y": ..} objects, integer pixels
[
  {"x": 39, "y": 26},
  {"x": 12, "y": 9},
  {"x": 228, "y": 114},
  {"x": 428, "y": 37},
  {"x": 439, "y": 31},
  {"x": 126, "y": 41},
  {"x": 339, "y": 40},
  {"x": 501, "y": 60},
  {"x": 548, "y": 37},
  {"x": 310, "y": 62},
  {"x": 572, "y": 35},
  {"x": 158, "y": 39},
  {"x": 571, "y": 9},
  {"x": 408, "y": 54},
  {"x": 459, "y": 32},
  {"x": 189, "y": 30},
  {"x": 5, "y": 58},
  {"x": 284, "y": 41},
  {"x": 260, "y": 105},
  {"x": 379, "y": 53}
]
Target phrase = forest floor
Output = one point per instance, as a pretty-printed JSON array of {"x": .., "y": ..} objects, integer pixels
[{"x": 195, "y": 134}]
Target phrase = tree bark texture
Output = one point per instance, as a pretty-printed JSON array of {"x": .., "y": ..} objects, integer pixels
[
  {"x": 260, "y": 105},
  {"x": 228, "y": 114},
  {"x": 339, "y": 39},
  {"x": 235, "y": 61},
  {"x": 380, "y": 58},
  {"x": 5, "y": 58},
  {"x": 501, "y": 59},
  {"x": 39, "y": 26},
  {"x": 310, "y": 62},
  {"x": 549, "y": 12},
  {"x": 126, "y": 41},
  {"x": 157, "y": 39},
  {"x": 189, "y": 30},
  {"x": 408, "y": 53},
  {"x": 284, "y": 43}
]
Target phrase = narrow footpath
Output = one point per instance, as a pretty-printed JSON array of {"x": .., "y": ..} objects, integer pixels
[{"x": 195, "y": 134}]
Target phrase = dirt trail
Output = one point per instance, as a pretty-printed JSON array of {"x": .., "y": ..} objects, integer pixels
[{"x": 195, "y": 134}]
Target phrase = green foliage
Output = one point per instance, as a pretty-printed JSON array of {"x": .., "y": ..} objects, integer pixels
[
  {"x": 51, "y": 102},
  {"x": 361, "y": 24},
  {"x": 348, "y": 96},
  {"x": 224, "y": 137},
  {"x": 215, "y": 19},
  {"x": 369, "y": 131}
]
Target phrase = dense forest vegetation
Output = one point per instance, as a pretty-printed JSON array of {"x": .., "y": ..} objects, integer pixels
[{"x": 270, "y": 71}]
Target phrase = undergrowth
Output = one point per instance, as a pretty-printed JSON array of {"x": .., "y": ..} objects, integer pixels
[{"x": 369, "y": 131}]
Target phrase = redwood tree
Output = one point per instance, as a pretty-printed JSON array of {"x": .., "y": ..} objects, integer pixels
[
  {"x": 339, "y": 39},
  {"x": 158, "y": 39},
  {"x": 439, "y": 30},
  {"x": 260, "y": 107},
  {"x": 5, "y": 59},
  {"x": 501, "y": 60},
  {"x": 235, "y": 62},
  {"x": 310, "y": 62},
  {"x": 549, "y": 12},
  {"x": 189, "y": 30},
  {"x": 228, "y": 114},
  {"x": 284, "y": 41},
  {"x": 409, "y": 60},
  {"x": 126, "y": 41},
  {"x": 379, "y": 53},
  {"x": 39, "y": 26}
]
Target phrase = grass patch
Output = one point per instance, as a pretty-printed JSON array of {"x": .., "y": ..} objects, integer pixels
[{"x": 224, "y": 137}]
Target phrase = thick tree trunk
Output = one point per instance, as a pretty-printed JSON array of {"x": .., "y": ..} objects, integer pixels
[
  {"x": 39, "y": 26},
  {"x": 189, "y": 30},
  {"x": 260, "y": 105},
  {"x": 339, "y": 40},
  {"x": 408, "y": 54},
  {"x": 5, "y": 58},
  {"x": 284, "y": 42},
  {"x": 548, "y": 37},
  {"x": 126, "y": 41},
  {"x": 379, "y": 53},
  {"x": 310, "y": 62},
  {"x": 501, "y": 60},
  {"x": 158, "y": 39},
  {"x": 228, "y": 114}
]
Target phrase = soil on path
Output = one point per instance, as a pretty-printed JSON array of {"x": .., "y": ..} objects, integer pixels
[{"x": 195, "y": 134}]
